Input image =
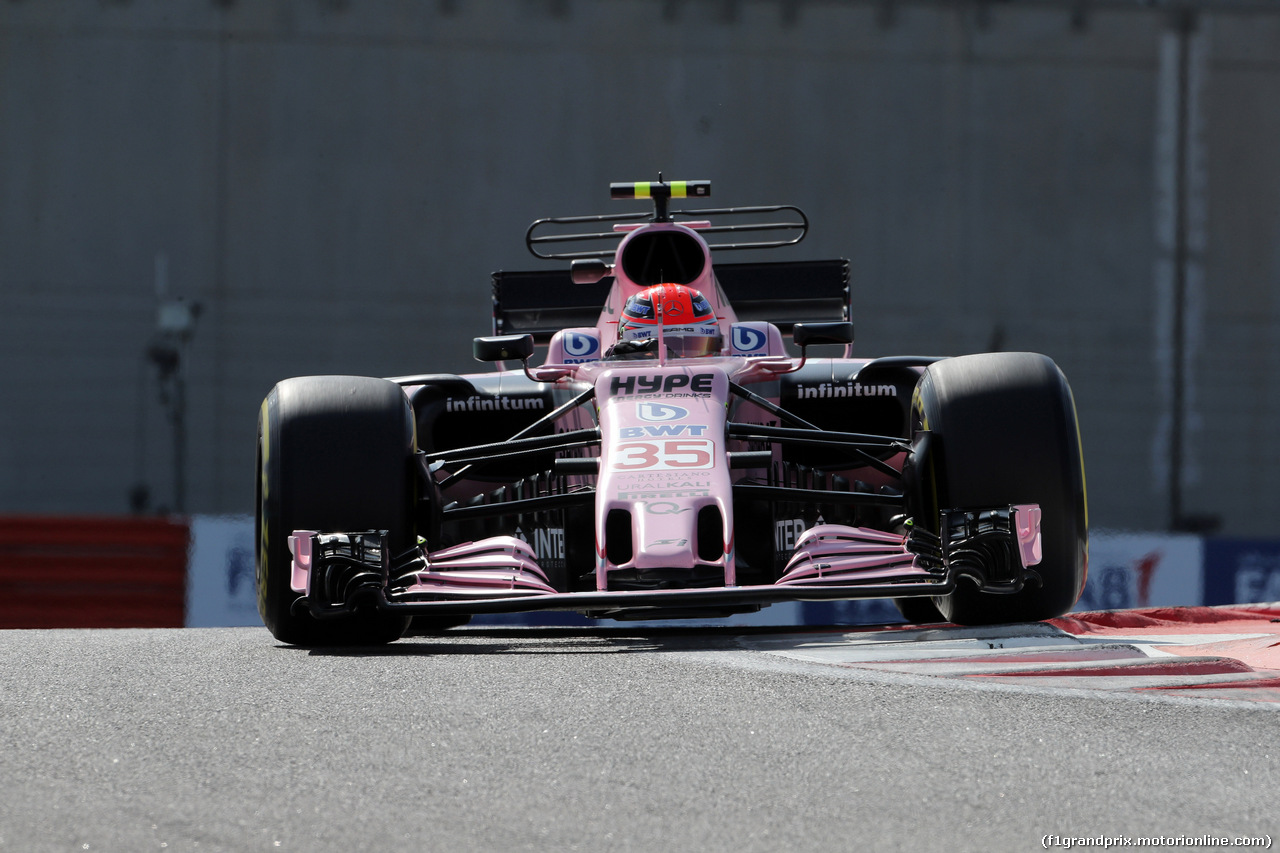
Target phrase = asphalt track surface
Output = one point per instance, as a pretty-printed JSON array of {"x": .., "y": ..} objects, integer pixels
[{"x": 590, "y": 739}]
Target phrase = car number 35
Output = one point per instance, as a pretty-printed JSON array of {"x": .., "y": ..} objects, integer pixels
[{"x": 681, "y": 454}]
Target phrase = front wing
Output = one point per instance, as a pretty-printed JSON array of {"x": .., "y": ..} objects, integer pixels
[{"x": 337, "y": 573}]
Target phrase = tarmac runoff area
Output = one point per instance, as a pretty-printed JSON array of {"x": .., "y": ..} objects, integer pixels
[{"x": 1117, "y": 725}]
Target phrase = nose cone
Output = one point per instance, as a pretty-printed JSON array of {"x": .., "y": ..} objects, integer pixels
[{"x": 666, "y": 531}]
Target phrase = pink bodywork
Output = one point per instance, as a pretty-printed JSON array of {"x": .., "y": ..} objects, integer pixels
[{"x": 664, "y": 456}]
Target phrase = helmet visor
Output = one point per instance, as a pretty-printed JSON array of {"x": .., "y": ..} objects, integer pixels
[{"x": 693, "y": 342}]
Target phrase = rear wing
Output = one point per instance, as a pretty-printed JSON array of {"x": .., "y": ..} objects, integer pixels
[{"x": 542, "y": 302}]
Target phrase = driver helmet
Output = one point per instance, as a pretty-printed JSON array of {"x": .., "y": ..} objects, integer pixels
[{"x": 689, "y": 328}]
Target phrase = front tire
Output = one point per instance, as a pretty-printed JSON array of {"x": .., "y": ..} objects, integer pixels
[
  {"x": 1005, "y": 432},
  {"x": 919, "y": 610},
  {"x": 335, "y": 454}
]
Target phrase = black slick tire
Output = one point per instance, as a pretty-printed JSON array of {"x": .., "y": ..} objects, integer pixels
[
  {"x": 1004, "y": 432},
  {"x": 335, "y": 454},
  {"x": 918, "y": 610}
]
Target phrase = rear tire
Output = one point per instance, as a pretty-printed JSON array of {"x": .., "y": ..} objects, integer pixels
[
  {"x": 335, "y": 454},
  {"x": 1005, "y": 432}
]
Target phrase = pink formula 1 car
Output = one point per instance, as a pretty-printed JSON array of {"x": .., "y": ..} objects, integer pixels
[{"x": 668, "y": 457}]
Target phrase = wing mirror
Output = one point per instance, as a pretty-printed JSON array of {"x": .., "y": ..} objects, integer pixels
[
  {"x": 808, "y": 334},
  {"x": 503, "y": 348},
  {"x": 588, "y": 270},
  {"x": 517, "y": 348}
]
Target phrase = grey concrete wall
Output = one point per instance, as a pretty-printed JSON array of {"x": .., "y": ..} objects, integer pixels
[{"x": 334, "y": 181}]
